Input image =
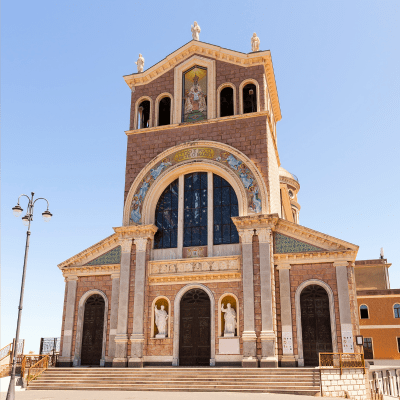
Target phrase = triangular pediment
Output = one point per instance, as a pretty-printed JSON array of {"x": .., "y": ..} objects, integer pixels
[
  {"x": 286, "y": 244},
  {"x": 105, "y": 252}
]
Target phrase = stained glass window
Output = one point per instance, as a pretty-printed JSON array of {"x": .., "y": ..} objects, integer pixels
[
  {"x": 167, "y": 218},
  {"x": 225, "y": 207},
  {"x": 195, "y": 210},
  {"x": 194, "y": 97}
]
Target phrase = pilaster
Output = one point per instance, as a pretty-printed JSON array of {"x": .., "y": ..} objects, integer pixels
[
  {"x": 113, "y": 317},
  {"x": 346, "y": 325},
  {"x": 66, "y": 357}
]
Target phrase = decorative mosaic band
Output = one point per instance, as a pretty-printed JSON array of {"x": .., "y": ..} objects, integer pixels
[{"x": 237, "y": 166}]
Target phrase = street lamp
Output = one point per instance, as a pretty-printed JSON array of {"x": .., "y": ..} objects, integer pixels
[{"x": 17, "y": 210}]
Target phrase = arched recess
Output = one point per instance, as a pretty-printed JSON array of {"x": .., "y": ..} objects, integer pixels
[
  {"x": 138, "y": 101},
  {"x": 221, "y": 301},
  {"x": 160, "y": 300},
  {"x": 177, "y": 314},
  {"x": 241, "y": 86},
  {"x": 79, "y": 326},
  {"x": 169, "y": 171},
  {"x": 223, "y": 86},
  {"x": 157, "y": 106},
  {"x": 298, "y": 316}
]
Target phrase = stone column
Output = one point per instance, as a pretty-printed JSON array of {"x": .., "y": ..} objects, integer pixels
[
  {"x": 121, "y": 337},
  {"x": 66, "y": 356},
  {"x": 249, "y": 335},
  {"x": 288, "y": 359},
  {"x": 113, "y": 317},
  {"x": 346, "y": 325},
  {"x": 268, "y": 336},
  {"x": 137, "y": 337}
]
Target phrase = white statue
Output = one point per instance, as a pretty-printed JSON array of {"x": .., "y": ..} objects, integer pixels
[
  {"x": 140, "y": 63},
  {"x": 195, "y": 31},
  {"x": 255, "y": 42},
  {"x": 230, "y": 320},
  {"x": 161, "y": 322}
]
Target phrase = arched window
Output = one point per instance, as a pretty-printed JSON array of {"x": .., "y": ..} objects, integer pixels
[
  {"x": 143, "y": 117},
  {"x": 167, "y": 218},
  {"x": 364, "y": 314},
  {"x": 164, "y": 111},
  {"x": 396, "y": 309},
  {"x": 249, "y": 98},
  {"x": 226, "y": 102},
  {"x": 201, "y": 214}
]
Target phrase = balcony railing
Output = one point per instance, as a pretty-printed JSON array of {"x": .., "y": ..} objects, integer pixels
[{"x": 342, "y": 361}]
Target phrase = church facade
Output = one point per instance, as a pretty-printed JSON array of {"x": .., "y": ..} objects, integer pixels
[{"x": 211, "y": 266}]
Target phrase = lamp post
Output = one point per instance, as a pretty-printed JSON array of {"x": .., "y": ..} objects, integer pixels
[{"x": 27, "y": 219}]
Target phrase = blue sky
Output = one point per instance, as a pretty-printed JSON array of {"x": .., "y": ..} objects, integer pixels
[{"x": 65, "y": 108}]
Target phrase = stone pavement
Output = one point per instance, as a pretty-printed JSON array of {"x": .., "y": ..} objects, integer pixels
[{"x": 127, "y": 395}]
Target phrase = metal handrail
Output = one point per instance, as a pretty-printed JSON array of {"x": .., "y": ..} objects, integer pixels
[
  {"x": 342, "y": 361},
  {"x": 5, "y": 351},
  {"x": 40, "y": 366}
]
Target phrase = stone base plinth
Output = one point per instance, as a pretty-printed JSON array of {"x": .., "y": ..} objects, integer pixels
[
  {"x": 135, "y": 363},
  {"x": 268, "y": 363},
  {"x": 250, "y": 363},
  {"x": 288, "y": 361},
  {"x": 120, "y": 363}
]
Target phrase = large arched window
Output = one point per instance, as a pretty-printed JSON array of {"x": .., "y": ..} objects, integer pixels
[
  {"x": 226, "y": 102},
  {"x": 249, "y": 98},
  {"x": 194, "y": 211},
  {"x": 164, "y": 111}
]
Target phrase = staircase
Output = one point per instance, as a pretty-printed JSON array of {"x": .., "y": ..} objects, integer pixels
[{"x": 272, "y": 380}]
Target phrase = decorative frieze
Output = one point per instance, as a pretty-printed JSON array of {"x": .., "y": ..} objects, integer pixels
[{"x": 73, "y": 272}]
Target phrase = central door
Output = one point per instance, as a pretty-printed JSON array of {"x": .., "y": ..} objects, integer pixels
[
  {"x": 92, "y": 335},
  {"x": 195, "y": 329},
  {"x": 316, "y": 324}
]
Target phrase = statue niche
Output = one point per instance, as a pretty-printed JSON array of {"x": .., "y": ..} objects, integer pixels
[
  {"x": 161, "y": 318},
  {"x": 195, "y": 94},
  {"x": 228, "y": 316}
]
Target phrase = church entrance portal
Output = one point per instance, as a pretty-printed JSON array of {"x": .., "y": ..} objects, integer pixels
[
  {"x": 316, "y": 324},
  {"x": 92, "y": 336},
  {"x": 195, "y": 329}
]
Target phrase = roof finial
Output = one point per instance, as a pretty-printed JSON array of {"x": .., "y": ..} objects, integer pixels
[
  {"x": 196, "y": 31},
  {"x": 255, "y": 42},
  {"x": 382, "y": 253}
]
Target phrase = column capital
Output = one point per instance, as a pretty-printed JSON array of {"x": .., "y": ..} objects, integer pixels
[
  {"x": 264, "y": 235},
  {"x": 115, "y": 275},
  {"x": 246, "y": 235},
  {"x": 341, "y": 264},
  {"x": 140, "y": 243},
  {"x": 136, "y": 231},
  {"x": 126, "y": 245},
  {"x": 256, "y": 221},
  {"x": 283, "y": 266},
  {"x": 70, "y": 278}
]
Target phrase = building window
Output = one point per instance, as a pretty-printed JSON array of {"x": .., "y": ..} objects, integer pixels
[
  {"x": 368, "y": 350},
  {"x": 364, "y": 314},
  {"x": 195, "y": 204},
  {"x": 164, "y": 111},
  {"x": 194, "y": 97},
  {"x": 396, "y": 309},
  {"x": 143, "y": 117},
  {"x": 226, "y": 102},
  {"x": 195, "y": 212},
  {"x": 249, "y": 98},
  {"x": 398, "y": 344},
  {"x": 167, "y": 218},
  {"x": 225, "y": 207}
]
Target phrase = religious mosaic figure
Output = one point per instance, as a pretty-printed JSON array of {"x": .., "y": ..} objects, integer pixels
[
  {"x": 196, "y": 31},
  {"x": 195, "y": 94},
  {"x": 255, "y": 42},
  {"x": 230, "y": 320},
  {"x": 161, "y": 321},
  {"x": 140, "y": 63}
]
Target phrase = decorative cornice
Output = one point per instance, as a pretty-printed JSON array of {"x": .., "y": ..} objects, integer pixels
[
  {"x": 91, "y": 252},
  {"x": 191, "y": 124},
  {"x": 136, "y": 231},
  {"x": 313, "y": 237},
  {"x": 317, "y": 257},
  {"x": 217, "y": 53},
  {"x": 293, "y": 182},
  {"x": 71, "y": 272},
  {"x": 178, "y": 279}
]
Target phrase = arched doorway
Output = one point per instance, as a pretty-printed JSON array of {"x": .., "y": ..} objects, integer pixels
[
  {"x": 195, "y": 329},
  {"x": 316, "y": 323},
  {"x": 92, "y": 335}
]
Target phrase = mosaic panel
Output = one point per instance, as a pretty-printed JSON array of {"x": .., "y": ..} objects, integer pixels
[
  {"x": 285, "y": 244},
  {"x": 194, "y": 99},
  {"x": 111, "y": 257},
  {"x": 221, "y": 156}
]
